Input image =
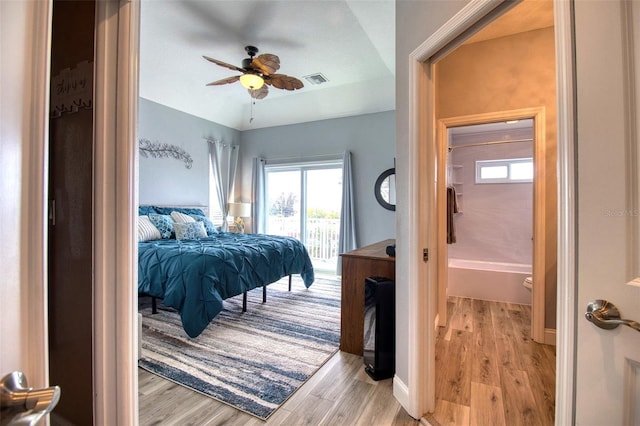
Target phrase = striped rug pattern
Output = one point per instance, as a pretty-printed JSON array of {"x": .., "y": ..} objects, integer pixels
[{"x": 253, "y": 360}]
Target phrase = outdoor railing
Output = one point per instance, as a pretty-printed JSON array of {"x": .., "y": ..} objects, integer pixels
[{"x": 321, "y": 241}]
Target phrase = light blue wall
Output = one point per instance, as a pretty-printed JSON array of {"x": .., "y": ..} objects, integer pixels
[
  {"x": 369, "y": 137},
  {"x": 166, "y": 181}
]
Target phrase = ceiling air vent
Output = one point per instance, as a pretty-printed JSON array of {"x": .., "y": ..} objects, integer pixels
[{"x": 316, "y": 78}]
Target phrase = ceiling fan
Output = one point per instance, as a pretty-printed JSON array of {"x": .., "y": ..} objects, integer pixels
[{"x": 256, "y": 72}]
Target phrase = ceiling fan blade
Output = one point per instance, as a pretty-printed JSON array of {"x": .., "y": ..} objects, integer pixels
[
  {"x": 267, "y": 63},
  {"x": 225, "y": 81},
  {"x": 283, "y": 81},
  {"x": 260, "y": 93},
  {"x": 223, "y": 64}
]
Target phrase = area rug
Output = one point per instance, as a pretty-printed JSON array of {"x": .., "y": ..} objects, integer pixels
[{"x": 254, "y": 360}]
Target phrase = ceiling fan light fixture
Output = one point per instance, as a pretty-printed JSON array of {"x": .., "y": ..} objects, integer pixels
[{"x": 251, "y": 81}]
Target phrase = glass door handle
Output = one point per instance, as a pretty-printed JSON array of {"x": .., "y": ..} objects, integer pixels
[
  {"x": 22, "y": 405},
  {"x": 605, "y": 315}
]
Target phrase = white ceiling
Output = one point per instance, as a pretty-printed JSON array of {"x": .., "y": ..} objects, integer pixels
[{"x": 351, "y": 42}]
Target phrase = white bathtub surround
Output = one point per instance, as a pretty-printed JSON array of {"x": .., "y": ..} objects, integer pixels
[
  {"x": 495, "y": 281},
  {"x": 496, "y": 223}
]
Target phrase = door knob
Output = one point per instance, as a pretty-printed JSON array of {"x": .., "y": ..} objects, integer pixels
[
  {"x": 605, "y": 315},
  {"x": 22, "y": 405}
]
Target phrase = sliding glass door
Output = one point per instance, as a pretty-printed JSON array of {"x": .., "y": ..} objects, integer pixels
[{"x": 304, "y": 201}]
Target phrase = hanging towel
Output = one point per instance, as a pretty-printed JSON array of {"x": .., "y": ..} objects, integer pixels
[{"x": 452, "y": 207}]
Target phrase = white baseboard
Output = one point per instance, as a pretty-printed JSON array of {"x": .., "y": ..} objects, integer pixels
[
  {"x": 401, "y": 393},
  {"x": 550, "y": 336}
]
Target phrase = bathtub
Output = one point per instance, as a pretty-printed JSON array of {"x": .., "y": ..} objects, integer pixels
[{"x": 496, "y": 281}]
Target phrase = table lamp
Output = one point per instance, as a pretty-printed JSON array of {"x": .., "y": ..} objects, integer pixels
[{"x": 239, "y": 211}]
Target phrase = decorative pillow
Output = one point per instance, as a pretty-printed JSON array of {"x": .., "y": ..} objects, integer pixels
[
  {"x": 190, "y": 231},
  {"x": 147, "y": 230},
  {"x": 181, "y": 217},
  {"x": 208, "y": 225},
  {"x": 163, "y": 223}
]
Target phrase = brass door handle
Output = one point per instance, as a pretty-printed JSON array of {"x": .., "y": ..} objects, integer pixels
[
  {"x": 22, "y": 405},
  {"x": 605, "y": 315}
]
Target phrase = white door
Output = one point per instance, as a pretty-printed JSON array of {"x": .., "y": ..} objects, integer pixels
[
  {"x": 608, "y": 217},
  {"x": 24, "y": 76}
]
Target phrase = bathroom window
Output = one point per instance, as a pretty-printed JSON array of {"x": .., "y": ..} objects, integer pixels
[{"x": 512, "y": 170}]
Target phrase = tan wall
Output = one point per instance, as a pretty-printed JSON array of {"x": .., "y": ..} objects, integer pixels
[{"x": 504, "y": 74}]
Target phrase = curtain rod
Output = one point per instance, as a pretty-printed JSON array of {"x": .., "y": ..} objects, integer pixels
[
  {"x": 212, "y": 140},
  {"x": 308, "y": 157},
  {"x": 451, "y": 148}
]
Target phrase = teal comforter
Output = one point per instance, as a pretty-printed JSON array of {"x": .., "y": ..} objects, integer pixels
[{"x": 195, "y": 276}]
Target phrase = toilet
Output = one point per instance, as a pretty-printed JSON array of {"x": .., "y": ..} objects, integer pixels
[{"x": 528, "y": 283}]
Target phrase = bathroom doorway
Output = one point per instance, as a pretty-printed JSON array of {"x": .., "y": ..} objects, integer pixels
[
  {"x": 485, "y": 75},
  {"x": 493, "y": 79},
  {"x": 496, "y": 177},
  {"x": 489, "y": 184},
  {"x": 491, "y": 149}
]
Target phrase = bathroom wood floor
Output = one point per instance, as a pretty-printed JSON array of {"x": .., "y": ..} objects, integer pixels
[{"x": 489, "y": 371}]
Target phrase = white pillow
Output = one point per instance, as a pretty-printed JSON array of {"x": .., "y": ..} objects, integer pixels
[
  {"x": 147, "y": 231},
  {"x": 181, "y": 217},
  {"x": 190, "y": 231}
]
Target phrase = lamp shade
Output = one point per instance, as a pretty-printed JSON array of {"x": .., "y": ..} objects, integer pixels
[
  {"x": 240, "y": 209},
  {"x": 251, "y": 81}
]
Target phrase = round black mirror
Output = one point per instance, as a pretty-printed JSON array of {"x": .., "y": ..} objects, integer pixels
[{"x": 385, "y": 189}]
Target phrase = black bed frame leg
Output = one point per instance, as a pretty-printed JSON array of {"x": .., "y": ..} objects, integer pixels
[
  {"x": 154, "y": 305},
  {"x": 264, "y": 294},
  {"x": 289, "y": 282},
  {"x": 244, "y": 302}
]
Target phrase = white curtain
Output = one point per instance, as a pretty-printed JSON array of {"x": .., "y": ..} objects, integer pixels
[
  {"x": 258, "y": 191},
  {"x": 347, "y": 240},
  {"x": 224, "y": 159}
]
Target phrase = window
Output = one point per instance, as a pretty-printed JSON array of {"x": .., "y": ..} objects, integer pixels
[
  {"x": 215, "y": 212},
  {"x": 505, "y": 171}
]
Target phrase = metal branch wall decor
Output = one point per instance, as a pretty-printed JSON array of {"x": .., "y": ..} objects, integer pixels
[{"x": 164, "y": 150}]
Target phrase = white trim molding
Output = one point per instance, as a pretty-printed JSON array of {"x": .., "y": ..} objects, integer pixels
[
  {"x": 115, "y": 201},
  {"x": 550, "y": 336},
  {"x": 34, "y": 254},
  {"x": 567, "y": 285},
  {"x": 400, "y": 391},
  {"x": 631, "y": 33}
]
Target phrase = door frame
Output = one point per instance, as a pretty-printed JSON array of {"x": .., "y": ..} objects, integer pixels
[
  {"x": 114, "y": 352},
  {"x": 422, "y": 147},
  {"x": 33, "y": 267},
  {"x": 115, "y": 347},
  {"x": 121, "y": 388},
  {"x": 539, "y": 206}
]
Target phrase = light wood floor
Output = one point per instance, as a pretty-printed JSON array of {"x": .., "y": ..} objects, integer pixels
[{"x": 488, "y": 372}]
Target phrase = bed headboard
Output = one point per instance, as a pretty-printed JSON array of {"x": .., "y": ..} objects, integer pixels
[{"x": 205, "y": 209}]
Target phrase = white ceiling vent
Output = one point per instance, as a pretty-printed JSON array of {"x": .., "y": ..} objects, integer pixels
[{"x": 316, "y": 78}]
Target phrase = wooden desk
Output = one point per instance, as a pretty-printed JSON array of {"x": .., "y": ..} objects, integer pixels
[{"x": 369, "y": 261}]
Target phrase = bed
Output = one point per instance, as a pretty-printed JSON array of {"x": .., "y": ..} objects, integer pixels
[{"x": 194, "y": 276}]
